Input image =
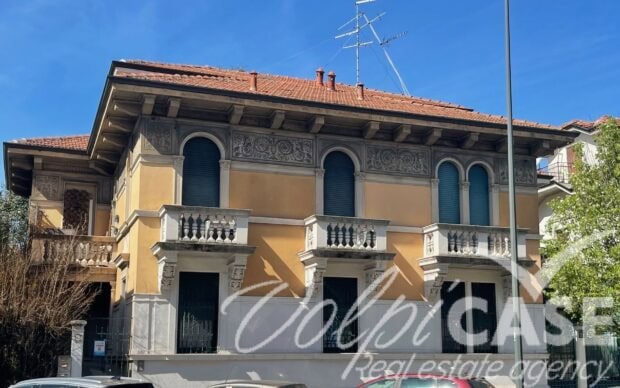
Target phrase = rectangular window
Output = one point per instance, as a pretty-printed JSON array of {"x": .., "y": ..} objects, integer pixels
[
  {"x": 343, "y": 292},
  {"x": 197, "y": 312}
]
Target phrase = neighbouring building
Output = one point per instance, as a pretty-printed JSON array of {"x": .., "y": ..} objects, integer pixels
[
  {"x": 554, "y": 169},
  {"x": 196, "y": 183}
]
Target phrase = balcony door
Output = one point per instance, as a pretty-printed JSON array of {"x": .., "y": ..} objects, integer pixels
[
  {"x": 197, "y": 312},
  {"x": 201, "y": 173},
  {"x": 449, "y": 193},
  {"x": 343, "y": 292}
]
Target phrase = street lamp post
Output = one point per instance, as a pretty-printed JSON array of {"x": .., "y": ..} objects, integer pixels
[{"x": 514, "y": 267}]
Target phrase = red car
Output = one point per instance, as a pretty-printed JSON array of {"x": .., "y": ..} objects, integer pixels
[{"x": 424, "y": 381}]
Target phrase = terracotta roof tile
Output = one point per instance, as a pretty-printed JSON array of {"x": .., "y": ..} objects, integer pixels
[
  {"x": 584, "y": 124},
  {"x": 76, "y": 143},
  {"x": 306, "y": 90}
]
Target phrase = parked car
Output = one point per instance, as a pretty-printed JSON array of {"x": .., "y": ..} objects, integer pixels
[
  {"x": 425, "y": 381},
  {"x": 258, "y": 384},
  {"x": 83, "y": 382}
]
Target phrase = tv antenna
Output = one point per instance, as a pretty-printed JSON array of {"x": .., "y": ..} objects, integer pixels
[{"x": 362, "y": 21}]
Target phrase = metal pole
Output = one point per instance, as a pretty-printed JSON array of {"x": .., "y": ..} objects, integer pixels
[
  {"x": 514, "y": 267},
  {"x": 357, "y": 43}
]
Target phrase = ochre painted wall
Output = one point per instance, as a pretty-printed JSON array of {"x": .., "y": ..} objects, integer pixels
[
  {"x": 272, "y": 195},
  {"x": 532, "y": 249},
  {"x": 402, "y": 204},
  {"x": 145, "y": 262},
  {"x": 120, "y": 209},
  {"x": 102, "y": 222},
  {"x": 410, "y": 280},
  {"x": 275, "y": 258},
  {"x": 50, "y": 217},
  {"x": 527, "y": 211},
  {"x": 153, "y": 187}
]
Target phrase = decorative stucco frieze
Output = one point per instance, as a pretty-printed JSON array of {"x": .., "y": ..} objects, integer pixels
[
  {"x": 272, "y": 148},
  {"x": 47, "y": 187},
  {"x": 158, "y": 137},
  {"x": 525, "y": 171},
  {"x": 398, "y": 160}
]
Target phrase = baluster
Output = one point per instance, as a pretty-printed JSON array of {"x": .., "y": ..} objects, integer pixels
[
  {"x": 467, "y": 243},
  {"x": 225, "y": 230},
  {"x": 232, "y": 236},
  {"x": 459, "y": 243},
  {"x": 209, "y": 229},
  {"x": 348, "y": 239},
  {"x": 507, "y": 251},
  {"x": 198, "y": 234},
  {"x": 192, "y": 228},
  {"x": 475, "y": 243},
  {"x": 330, "y": 235},
  {"x": 339, "y": 230},
  {"x": 202, "y": 228},
  {"x": 360, "y": 236},
  {"x": 184, "y": 227}
]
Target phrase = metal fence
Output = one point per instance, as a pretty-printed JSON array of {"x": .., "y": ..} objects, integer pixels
[{"x": 106, "y": 347}]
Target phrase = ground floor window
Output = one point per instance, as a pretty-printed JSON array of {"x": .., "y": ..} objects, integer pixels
[
  {"x": 468, "y": 319},
  {"x": 343, "y": 291},
  {"x": 197, "y": 312}
]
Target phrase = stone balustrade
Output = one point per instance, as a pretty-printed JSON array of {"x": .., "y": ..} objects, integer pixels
[
  {"x": 345, "y": 233},
  {"x": 471, "y": 241},
  {"x": 87, "y": 251},
  {"x": 204, "y": 224}
]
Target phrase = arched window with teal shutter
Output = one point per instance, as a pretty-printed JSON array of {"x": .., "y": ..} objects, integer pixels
[
  {"x": 449, "y": 194},
  {"x": 201, "y": 173},
  {"x": 478, "y": 196},
  {"x": 339, "y": 185}
]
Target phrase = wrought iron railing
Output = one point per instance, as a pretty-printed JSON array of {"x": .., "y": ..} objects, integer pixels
[{"x": 559, "y": 171}]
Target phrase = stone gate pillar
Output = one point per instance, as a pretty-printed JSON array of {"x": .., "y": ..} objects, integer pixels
[{"x": 77, "y": 347}]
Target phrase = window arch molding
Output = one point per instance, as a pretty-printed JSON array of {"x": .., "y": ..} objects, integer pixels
[
  {"x": 493, "y": 190},
  {"x": 463, "y": 200},
  {"x": 224, "y": 167},
  {"x": 359, "y": 179}
]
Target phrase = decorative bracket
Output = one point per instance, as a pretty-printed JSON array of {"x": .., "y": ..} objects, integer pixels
[
  {"x": 434, "y": 276},
  {"x": 167, "y": 271},
  {"x": 236, "y": 272},
  {"x": 314, "y": 273},
  {"x": 373, "y": 272}
]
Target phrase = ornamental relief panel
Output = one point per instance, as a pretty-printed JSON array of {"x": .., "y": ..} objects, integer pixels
[
  {"x": 272, "y": 148},
  {"x": 158, "y": 137},
  {"x": 393, "y": 160},
  {"x": 525, "y": 171},
  {"x": 47, "y": 187}
]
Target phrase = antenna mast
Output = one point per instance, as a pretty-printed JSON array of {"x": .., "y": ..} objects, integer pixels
[{"x": 359, "y": 16}]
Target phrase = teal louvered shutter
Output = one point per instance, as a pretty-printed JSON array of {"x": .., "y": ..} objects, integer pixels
[
  {"x": 201, "y": 173},
  {"x": 339, "y": 185},
  {"x": 449, "y": 194},
  {"x": 478, "y": 196}
]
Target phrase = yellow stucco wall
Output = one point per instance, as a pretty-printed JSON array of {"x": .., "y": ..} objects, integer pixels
[
  {"x": 276, "y": 258},
  {"x": 102, "y": 222},
  {"x": 272, "y": 195},
  {"x": 145, "y": 263},
  {"x": 527, "y": 211},
  {"x": 50, "y": 217},
  {"x": 532, "y": 250},
  {"x": 120, "y": 209},
  {"x": 152, "y": 186},
  {"x": 402, "y": 204},
  {"x": 410, "y": 280}
]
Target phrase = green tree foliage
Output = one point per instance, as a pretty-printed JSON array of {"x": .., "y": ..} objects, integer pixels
[
  {"x": 13, "y": 219},
  {"x": 593, "y": 208}
]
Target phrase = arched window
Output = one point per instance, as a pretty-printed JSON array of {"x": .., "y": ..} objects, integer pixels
[
  {"x": 478, "y": 196},
  {"x": 339, "y": 185},
  {"x": 201, "y": 173},
  {"x": 449, "y": 194}
]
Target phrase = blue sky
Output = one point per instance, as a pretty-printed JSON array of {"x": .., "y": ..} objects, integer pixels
[{"x": 566, "y": 56}]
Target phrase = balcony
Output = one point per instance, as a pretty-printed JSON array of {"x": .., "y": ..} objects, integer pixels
[
  {"x": 346, "y": 236},
  {"x": 86, "y": 251},
  {"x": 471, "y": 244},
  {"x": 346, "y": 240},
  {"x": 218, "y": 235},
  {"x": 484, "y": 247},
  {"x": 559, "y": 171}
]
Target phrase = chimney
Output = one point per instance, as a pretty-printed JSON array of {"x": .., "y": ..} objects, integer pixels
[
  {"x": 319, "y": 76},
  {"x": 331, "y": 80},
  {"x": 360, "y": 91},
  {"x": 253, "y": 80}
]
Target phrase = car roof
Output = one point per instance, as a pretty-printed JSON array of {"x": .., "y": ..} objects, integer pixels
[
  {"x": 89, "y": 381},
  {"x": 258, "y": 383}
]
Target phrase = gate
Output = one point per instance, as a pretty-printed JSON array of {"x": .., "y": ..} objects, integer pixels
[{"x": 106, "y": 347}]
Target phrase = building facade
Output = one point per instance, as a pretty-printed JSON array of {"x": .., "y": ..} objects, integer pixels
[{"x": 224, "y": 208}]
